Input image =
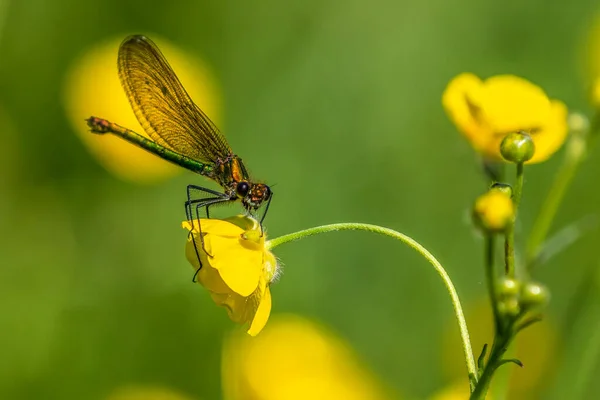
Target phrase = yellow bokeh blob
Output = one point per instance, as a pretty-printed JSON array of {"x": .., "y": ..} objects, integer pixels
[
  {"x": 93, "y": 88},
  {"x": 295, "y": 359}
]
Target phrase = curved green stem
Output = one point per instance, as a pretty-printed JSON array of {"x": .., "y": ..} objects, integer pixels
[{"x": 462, "y": 324}]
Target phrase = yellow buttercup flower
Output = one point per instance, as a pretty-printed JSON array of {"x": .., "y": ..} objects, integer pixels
[
  {"x": 238, "y": 268},
  {"x": 486, "y": 111},
  {"x": 295, "y": 359},
  {"x": 92, "y": 88}
]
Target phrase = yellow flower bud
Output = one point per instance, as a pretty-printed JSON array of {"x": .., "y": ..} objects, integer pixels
[{"x": 493, "y": 211}]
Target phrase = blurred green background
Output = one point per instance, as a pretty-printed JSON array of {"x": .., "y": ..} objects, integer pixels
[{"x": 337, "y": 103}]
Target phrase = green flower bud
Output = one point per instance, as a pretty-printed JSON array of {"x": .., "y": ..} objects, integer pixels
[
  {"x": 517, "y": 147},
  {"x": 508, "y": 288},
  {"x": 509, "y": 307},
  {"x": 502, "y": 187},
  {"x": 534, "y": 295}
]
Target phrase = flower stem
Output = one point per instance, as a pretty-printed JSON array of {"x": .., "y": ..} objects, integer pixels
[
  {"x": 499, "y": 347},
  {"x": 501, "y": 329},
  {"x": 509, "y": 244},
  {"x": 462, "y": 324},
  {"x": 574, "y": 156}
]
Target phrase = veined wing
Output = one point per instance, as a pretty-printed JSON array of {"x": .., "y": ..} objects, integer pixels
[{"x": 163, "y": 107}]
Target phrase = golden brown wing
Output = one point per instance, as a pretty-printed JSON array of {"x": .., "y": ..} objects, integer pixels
[{"x": 163, "y": 107}]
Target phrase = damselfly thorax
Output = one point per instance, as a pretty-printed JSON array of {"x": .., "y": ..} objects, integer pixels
[{"x": 233, "y": 176}]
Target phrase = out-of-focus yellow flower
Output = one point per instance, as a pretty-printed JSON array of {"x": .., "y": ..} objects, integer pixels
[
  {"x": 592, "y": 55},
  {"x": 494, "y": 211},
  {"x": 596, "y": 93},
  {"x": 536, "y": 347},
  {"x": 486, "y": 111},
  {"x": 593, "y": 61},
  {"x": 240, "y": 270},
  {"x": 457, "y": 391},
  {"x": 93, "y": 88},
  {"x": 295, "y": 359},
  {"x": 146, "y": 393}
]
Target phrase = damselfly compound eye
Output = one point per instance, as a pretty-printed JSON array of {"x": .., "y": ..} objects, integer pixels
[{"x": 242, "y": 189}]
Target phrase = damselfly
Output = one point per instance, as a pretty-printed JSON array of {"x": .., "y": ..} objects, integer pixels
[{"x": 180, "y": 132}]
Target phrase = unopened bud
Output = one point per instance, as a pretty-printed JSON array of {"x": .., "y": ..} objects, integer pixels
[
  {"x": 517, "y": 147},
  {"x": 493, "y": 212},
  {"x": 534, "y": 295},
  {"x": 502, "y": 187}
]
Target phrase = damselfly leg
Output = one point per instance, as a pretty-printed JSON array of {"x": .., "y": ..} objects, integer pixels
[{"x": 192, "y": 212}]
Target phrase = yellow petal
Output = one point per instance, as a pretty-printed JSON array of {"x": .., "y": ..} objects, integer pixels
[
  {"x": 234, "y": 304},
  {"x": 262, "y": 313},
  {"x": 207, "y": 276},
  {"x": 460, "y": 101},
  {"x": 553, "y": 134},
  {"x": 240, "y": 310},
  {"x": 244, "y": 222},
  {"x": 239, "y": 266},
  {"x": 511, "y": 103},
  {"x": 214, "y": 226},
  {"x": 212, "y": 280}
]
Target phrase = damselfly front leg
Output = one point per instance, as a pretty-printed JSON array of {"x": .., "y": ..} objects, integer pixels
[{"x": 199, "y": 204}]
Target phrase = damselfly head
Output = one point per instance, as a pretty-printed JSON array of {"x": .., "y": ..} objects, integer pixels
[{"x": 253, "y": 194}]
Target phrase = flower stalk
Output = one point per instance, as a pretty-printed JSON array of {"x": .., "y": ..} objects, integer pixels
[
  {"x": 509, "y": 244},
  {"x": 458, "y": 311}
]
